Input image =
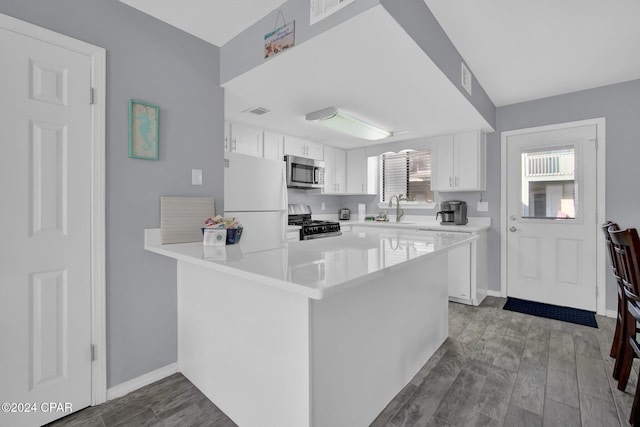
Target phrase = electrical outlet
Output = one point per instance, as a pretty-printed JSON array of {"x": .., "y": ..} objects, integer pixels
[
  {"x": 483, "y": 206},
  {"x": 322, "y": 206},
  {"x": 196, "y": 176}
]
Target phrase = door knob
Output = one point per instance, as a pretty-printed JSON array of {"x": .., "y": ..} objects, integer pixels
[
  {"x": 512, "y": 229},
  {"x": 512, "y": 217}
]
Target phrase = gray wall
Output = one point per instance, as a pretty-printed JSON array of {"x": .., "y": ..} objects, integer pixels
[
  {"x": 153, "y": 62},
  {"x": 246, "y": 50},
  {"x": 619, "y": 104}
]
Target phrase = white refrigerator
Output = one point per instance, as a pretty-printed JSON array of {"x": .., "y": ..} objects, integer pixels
[{"x": 255, "y": 192}]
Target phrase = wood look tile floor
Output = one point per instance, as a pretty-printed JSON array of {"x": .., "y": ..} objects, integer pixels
[{"x": 497, "y": 368}]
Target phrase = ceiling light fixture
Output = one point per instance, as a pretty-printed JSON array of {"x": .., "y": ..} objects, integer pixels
[{"x": 342, "y": 122}]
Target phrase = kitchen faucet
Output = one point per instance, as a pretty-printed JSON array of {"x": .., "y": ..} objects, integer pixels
[{"x": 399, "y": 212}]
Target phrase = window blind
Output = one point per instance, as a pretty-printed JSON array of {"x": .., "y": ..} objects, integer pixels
[{"x": 407, "y": 173}]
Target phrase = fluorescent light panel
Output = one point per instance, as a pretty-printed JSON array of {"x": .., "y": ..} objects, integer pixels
[{"x": 345, "y": 123}]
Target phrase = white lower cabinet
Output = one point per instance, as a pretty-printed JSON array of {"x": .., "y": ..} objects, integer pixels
[
  {"x": 468, "y": 271},
  {"x": 460, "y": 272}
]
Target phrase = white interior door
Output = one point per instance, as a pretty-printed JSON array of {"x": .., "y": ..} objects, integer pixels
[
  {"x": 45, "y": 188},
  {"x": 551, "y": 217}
]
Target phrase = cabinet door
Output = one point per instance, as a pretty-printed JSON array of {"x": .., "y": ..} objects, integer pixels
[
  {"x": 227, "y": 135},
  {"x": 303, "y": 148},
  {"x": 314, "y": 150},
  {"x": 294, "y": 146},
  {"x": 329, "y": 170},
  {"x": 340, "y": 170},
  {"x": 273, "y": 146},
  {"x": 356, "y": 171},
  {"x": 468, "y": 161},
  {"x": 460, "y": 272},
  {"x": 443, "y": 173},
  {"x": 246, "y": 140}
]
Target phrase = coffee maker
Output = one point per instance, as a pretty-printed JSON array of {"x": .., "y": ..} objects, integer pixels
[{"x": 453, "y": 212}]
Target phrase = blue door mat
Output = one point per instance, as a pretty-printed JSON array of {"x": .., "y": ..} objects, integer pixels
[{"x": 564, "y": 314}]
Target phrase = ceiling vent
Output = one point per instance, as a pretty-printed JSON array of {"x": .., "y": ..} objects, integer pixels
[{"x": 257, "y": 110}]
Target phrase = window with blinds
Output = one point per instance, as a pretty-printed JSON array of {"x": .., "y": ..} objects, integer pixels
[{"x": 407, "y": 173}]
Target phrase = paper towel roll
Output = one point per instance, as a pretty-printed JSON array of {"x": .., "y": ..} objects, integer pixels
[{"x": 362, "y": 211}]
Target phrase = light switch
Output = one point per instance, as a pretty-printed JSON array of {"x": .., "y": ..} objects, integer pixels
[
  {"x": 196, "y": 176},
  {"x": 483, "y": 206}
]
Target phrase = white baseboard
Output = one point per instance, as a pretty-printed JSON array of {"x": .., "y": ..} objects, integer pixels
[
  {"x": 141, "y": 381},
  {"x": 491, "y": 293},
  {"x": 611, "y": 313}
]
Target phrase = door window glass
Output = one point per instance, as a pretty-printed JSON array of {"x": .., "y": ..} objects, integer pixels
[{"x": 549, "y": 188}]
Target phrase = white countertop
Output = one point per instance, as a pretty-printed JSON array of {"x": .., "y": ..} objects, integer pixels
[
  {"x": 317, "y": 268},
  {"x": 474, "y": 225}
]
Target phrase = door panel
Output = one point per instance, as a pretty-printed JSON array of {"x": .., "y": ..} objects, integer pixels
[
  {"x": 45, "y": 263},
  {"x": 551, "y": 217},
  {"x": 569, "y": 266},
  {"x": 48, "y": 316},
  {"x": 529, "y": 257}
]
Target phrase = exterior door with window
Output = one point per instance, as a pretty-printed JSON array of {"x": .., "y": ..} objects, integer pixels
[{"x": 551, "y": 223}]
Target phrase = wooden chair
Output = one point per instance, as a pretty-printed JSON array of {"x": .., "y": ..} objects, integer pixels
[
  {"x": 626, "y": 245},
  {"x": 619, "y": 333}
]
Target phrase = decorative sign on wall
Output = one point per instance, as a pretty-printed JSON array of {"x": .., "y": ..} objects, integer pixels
[
  {"x": 143, "y": 130},
  {"x": 279, "y": 39}
]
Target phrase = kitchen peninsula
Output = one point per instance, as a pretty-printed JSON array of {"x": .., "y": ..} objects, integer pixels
[{"x": 313, "y": 333}]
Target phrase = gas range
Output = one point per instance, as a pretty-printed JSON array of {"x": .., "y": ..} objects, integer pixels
[{"x": 311, "y": 229}]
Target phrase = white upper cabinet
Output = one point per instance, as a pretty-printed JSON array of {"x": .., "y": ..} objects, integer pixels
[
  {"x": 244, "y": 139},
  {"x": 357, "y": 172},
  {"x": 335, "y": 170},
  {"x": 459, "y": 162},
  {"x": 303, "y": 148},
  {"x": 273, "y": 145},
  {"x": 341, "y": 170}
]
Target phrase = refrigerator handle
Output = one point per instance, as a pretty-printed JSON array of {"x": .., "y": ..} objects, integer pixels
[{"x": 285, "y": 207}]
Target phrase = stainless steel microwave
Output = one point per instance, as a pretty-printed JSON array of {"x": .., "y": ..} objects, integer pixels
[{"x": 304, "y": 173}]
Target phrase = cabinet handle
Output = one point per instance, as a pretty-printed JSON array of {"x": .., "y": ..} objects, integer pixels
[
  {"x": 456, "y": 181},
  {"x": 234, "y": 145},
  {"x": 226, "y": 143}
]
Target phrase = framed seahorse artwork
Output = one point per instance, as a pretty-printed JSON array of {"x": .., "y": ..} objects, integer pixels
[{"x": 143, "y": 130}]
